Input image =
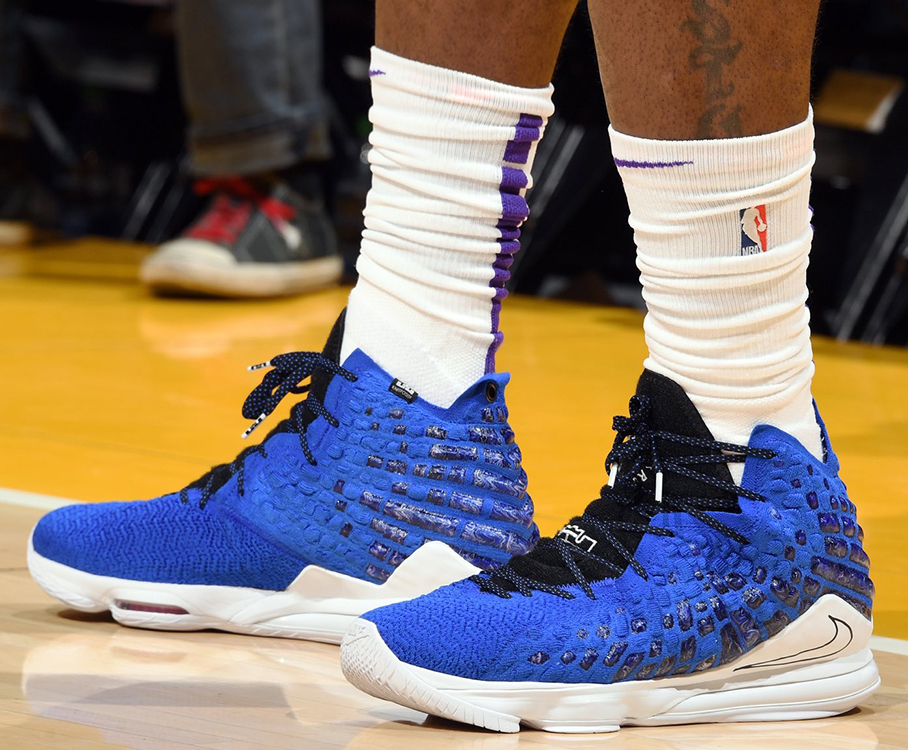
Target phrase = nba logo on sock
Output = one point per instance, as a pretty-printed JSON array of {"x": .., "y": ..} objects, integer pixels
[{"x": 753, "y": 230}]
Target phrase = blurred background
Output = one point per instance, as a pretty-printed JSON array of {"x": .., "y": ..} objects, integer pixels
[{"x": 125, "y": 126}]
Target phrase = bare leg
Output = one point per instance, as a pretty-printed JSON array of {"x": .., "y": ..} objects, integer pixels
[
  {"x": 461, "y": 94},
  {"x": 709, "y": 104},
  {"x": 474, "y": 36},
  {"x": 697, "y": 69}
]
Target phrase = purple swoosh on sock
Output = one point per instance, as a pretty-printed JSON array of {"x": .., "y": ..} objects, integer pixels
[{"x": 650, "y": 164}]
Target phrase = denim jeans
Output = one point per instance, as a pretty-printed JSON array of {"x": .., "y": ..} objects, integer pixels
[{"x": 251, "y": 76}]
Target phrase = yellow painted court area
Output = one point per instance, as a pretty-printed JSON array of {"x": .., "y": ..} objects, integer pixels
[{"x": 109, "y": 394}]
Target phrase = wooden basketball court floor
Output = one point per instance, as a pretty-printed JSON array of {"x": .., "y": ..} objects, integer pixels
[{"x": 106, "y": 393}]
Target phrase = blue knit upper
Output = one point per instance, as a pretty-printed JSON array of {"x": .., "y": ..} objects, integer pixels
[
  {"x": 708, "y": 599},
  {"x": 391, "y": 476}
]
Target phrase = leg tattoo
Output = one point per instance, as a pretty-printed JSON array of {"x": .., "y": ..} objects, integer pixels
[{"x": 716, "y": 49}]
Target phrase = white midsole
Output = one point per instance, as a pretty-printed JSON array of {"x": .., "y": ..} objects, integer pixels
[
  {"x": 319, "y": 604},
  {"x": 834, "y": 669}
]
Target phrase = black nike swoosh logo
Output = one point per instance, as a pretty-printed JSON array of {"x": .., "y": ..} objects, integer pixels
[{"x": 785, "y": 661}]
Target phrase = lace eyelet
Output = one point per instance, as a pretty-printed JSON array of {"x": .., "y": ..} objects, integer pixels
[{"x": 491, "y": 391}]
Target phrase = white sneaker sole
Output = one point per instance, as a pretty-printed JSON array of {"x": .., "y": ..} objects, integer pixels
[
  {"x": 319, "y": 605},
  {"x": 200, "y": 267},
  {"x": 814, "y": 668}
]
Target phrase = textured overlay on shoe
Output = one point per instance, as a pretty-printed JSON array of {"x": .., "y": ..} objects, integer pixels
[
  {"x": 360, "y": 498},
  {"x": 809, "y": 670}
]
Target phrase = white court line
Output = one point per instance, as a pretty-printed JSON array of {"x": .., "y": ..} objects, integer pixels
[
  {"x": 33, "y": 499},
  {"x": 49, "y": 502},
  {"x": 890, "y": 645}
]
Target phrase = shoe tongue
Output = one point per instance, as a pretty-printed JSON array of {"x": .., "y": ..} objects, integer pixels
[{"x": 671, "y": 411}]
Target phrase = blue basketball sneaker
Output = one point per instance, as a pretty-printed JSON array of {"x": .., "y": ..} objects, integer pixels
[
  {"x": 365, "y": 496},
  {"x": 677, "y": 597}
]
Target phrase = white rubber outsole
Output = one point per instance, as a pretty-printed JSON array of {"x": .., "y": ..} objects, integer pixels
[
  {"x": 178, "y": 273},
  {"x": 319, "y": 605},
  {"x": 819, "y": 666}
]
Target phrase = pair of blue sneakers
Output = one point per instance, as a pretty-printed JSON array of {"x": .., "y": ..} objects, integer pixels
[{"x": 372, "y": 516}]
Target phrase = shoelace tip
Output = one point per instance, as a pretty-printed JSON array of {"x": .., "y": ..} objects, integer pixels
[{"x": 251, "y": 428}]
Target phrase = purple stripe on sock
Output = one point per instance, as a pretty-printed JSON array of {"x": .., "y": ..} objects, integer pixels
[
  {"x": 501, "y": 277},
  {"x": 513, "y": 179},
  {"x": 373, "y": 73},
  {"x": 505, "y": 262},
  {"x": 517, "y": 153},
  {"x": 526, "y": 132},
  {"x": 529, "y": 121},
  {"x": 514, "y": 211},
  {"x": 650, "y": 164}
]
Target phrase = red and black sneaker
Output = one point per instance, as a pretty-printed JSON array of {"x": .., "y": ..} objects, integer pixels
[{"x": 250, "y": 241}]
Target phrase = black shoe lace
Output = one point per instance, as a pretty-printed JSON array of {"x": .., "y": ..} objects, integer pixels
[
  {"x": 639, "y": 451},
  {"x": 289, "y": 370}
]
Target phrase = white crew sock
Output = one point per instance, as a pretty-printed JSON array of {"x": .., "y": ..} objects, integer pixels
[
  {"x": 451, "y": 157},
  {"x": 723, "y": 234}
]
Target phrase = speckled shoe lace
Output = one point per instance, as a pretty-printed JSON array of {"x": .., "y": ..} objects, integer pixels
[
  {"x": 289, "y": 370},
  {"x": 643, "y": 472}
]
